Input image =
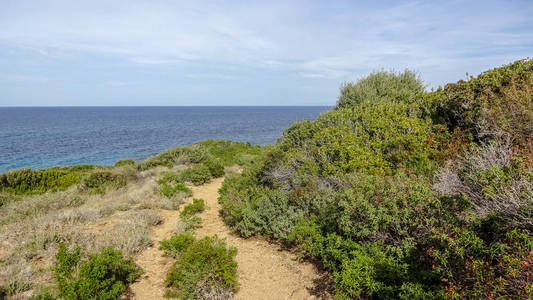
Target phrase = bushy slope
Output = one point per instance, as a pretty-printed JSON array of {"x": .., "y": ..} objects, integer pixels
[{"x": 402, "y": 193}]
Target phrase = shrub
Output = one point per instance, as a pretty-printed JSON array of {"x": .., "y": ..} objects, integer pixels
[
  {"x": 495, "y": 181},
  {"x": 97, "y": 182},
  {"x": 104, "y": 275},
  {"x": 14, "y": 287},
  {"x": 216, "y": 168},
  {"x": 381, "y": 86},
  {"x": 171, "y": 190},
  {"x": 125, "y": 162},
  {"x": 181, "y": 155},
  {"x": 230, "y": 153},
  {"x": 27, "y": 181},
  {"x": 498, "y": 101},
  {"x": 197, "y": 175},
  {"x": 196, "y": 206},
  {"x": 188, "y": 223},
  {"x": 270, "y": 215},
  {"x": 354, "y": 189},
  {"x": 472, "y": 267},
  {"x": 175, "y": 245},
  {"x": 203, "y": 267}
]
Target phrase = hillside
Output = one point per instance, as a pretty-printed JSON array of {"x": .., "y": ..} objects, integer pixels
[
  {"x": 401, "y": 193},
  {"x": 396, "y": 193}
]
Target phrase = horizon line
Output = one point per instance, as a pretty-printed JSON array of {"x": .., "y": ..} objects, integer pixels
[{"x": 52, "y": 106}]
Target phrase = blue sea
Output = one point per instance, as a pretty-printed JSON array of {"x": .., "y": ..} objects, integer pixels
[{"x": 42, "y": 137}]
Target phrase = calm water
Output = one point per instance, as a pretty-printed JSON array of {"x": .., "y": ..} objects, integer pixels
[{"x": 39, "y": 137}]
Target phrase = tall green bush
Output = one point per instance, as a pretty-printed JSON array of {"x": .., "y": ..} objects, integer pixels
[{"x": 382, "y": 86}]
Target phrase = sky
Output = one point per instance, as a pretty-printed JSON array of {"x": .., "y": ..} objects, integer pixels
[{"x": 130, "y": 53}]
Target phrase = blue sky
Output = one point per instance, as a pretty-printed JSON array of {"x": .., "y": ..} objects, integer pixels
[{"x": 104, "y": 52}]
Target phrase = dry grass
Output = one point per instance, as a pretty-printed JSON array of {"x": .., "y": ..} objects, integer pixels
[{"x": 31, "y": 228}]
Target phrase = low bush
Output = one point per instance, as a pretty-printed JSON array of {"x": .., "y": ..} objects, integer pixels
[
  {"x": 97, "y": 182},
  {"x": 169, "y": 190},
  {"x": 125, "y": 162},
  {"x": 12, "y": 288},
  {"x": 188, "y": 223},
  {"x": 204, "y": 268},
  {"x": 227, "y": 152},
  {"x": 27, "y": 181},
  {"x": 197, "y": 175},
  {"x": 197, "y": 205},
  {"x": 215, "y": 167},
  {"x": 178, "y": 243},
  {"x": 179, "y": 155},
  {"x": 103, "y": 275}
]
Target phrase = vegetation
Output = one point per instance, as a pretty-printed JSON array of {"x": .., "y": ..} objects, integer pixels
[
  {"x": 27, "y": 181},
  {"x": 204, "y": 269},
  {"x": 397, "y": 192},
  {"x": 227, "y": 152},
  {"x": 125, "y": 162},
  {"x": 402, "y": 193},
  {"x": 98, "y": 182},
  {"x": 381, "y": 86},
  {"x": 196, "y": 206},
  {"x": 104, "y": 275}
]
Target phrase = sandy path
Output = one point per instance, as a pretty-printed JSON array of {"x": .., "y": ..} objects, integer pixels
[
  {"x": 153, "y": 262},
  {"x": 265, "y": 271}
]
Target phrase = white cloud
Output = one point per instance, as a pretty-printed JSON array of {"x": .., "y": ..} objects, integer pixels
[{"x": 338, "y": 40}]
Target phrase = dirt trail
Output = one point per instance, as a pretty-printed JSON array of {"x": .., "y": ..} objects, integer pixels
[
  {"x": 155, "y": 265},
  {"x": 265, "y": 271}
]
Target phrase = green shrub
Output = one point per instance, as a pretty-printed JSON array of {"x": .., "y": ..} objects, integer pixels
[
  {"x": 171, "y": 190},
  {"x": 216, "y": 168},
  {"x": 357, "y": 191},
  {"x": 125, "y": 162},
  {"x": 270, "y": 215},
  {"x": 232, "y": 153},
  {"x": 27, "y": 181},
  {"x": 13, "y": 288},
  {"x": 175, "y": 245},
  {"x": 381, "y": 86},
  {"x": 186, "y": 154},
  {"x": 97, "y": 182},
  {"x": 497, "y": 101},
  {"x": 103, "y": 275},
  {"x": 204, "y": 267},
  {"x": 189, "y": 223},
  {"x": 197, "y": 175},
  {"x": 197, "y": 205}
]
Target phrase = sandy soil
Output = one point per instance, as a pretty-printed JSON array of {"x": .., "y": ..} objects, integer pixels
[
  {"x": 153, "y": 262},
  {"x": 265, "y": 270}
]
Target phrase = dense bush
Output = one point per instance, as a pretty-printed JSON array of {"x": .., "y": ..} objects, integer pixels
[
  {"x": 197, "y": 175},
  {"x": 103, "y": 275},
  {"x": 401, "y": 193},
  {"x": 125, "y": 162},
  {"x": 227, "y": 152},
  {"x": 204, "y": 269},
  {"x": 97, "y": 182},
  {"x": 498, "y": 101},
  {"x": 215, "y": 167},
  {"x": 170, "y": 190},
  {"x": 381, "y": 86},
  {"x": 28, "y": 181},
  {"x": 197, "y": 205}
]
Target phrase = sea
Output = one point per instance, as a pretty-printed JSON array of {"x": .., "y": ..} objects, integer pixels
[{"x": 42, "y": 137}]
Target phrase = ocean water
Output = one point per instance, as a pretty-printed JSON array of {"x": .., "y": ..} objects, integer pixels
[{"x": 42, "y": 137}]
